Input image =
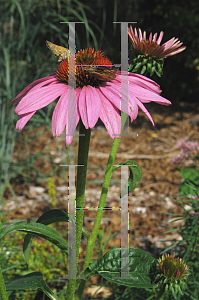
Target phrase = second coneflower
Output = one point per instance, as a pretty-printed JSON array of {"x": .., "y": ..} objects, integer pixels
[
  {"x": 95, "y": 96},
  {"x": 151, "y": 47},
  {"x": 147, "y": 55}
]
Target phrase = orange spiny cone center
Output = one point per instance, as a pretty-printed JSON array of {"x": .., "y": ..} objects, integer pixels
[{"x": 85, "y": 71}]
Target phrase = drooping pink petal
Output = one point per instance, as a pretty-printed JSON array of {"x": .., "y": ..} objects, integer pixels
[
  {"x": 119, "y": 97},
  {"x": 34, "y": 85},
  {"x": 145, "y": 111},
  {"x": 133, "y": 107},
  {"x": 73, "y": 116},
  {"x": 60, "y": 115},
  {"x": 23, "y": 119},
  {"x": 110, "y": 117},
  {"x": 147, "y": 96},
  {"x": 140, "y": 80},
  {"x": 40, "y": 98},
  {"x": 89, "y": 106}
]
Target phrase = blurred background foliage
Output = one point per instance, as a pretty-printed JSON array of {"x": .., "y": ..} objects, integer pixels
[
  {"x": 24, "y": 57},
  {"x": 25, "y": 26}
]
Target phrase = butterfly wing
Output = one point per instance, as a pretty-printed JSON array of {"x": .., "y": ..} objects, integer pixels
[
  {"x": 102, "y": 73},
  {"x": 61, "y": 52}
]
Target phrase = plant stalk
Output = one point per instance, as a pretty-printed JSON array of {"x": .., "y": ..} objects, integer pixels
[
  {"x": 83, "y": 149},
  {"x": 107, "y": 177}
]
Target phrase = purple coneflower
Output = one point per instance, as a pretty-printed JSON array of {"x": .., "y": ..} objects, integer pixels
[
  {"x": 151, "y": 47},
  {"x": 95, "y": 97}
]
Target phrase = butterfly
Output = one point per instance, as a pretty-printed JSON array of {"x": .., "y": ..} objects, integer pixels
[
  {"x": 59, "y": 51},
  {"x": 102, "y": 73}
]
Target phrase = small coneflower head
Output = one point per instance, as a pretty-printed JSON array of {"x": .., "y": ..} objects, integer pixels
[
  {"x": 172, "y": 267},
  {"x": 147, "y": 56},
  {"x": 172, "y": 273}
]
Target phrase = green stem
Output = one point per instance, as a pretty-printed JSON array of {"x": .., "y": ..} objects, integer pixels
[
  {"x": 84, "y": 141},
  {"x": 107, "y": 177},
  {"x": 3, "y": 294}
]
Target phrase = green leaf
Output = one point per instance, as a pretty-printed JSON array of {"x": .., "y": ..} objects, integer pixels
[
  {"x": 143, "y": 70},
  {"x": 134, "y": 178},
  {"x": 32, "y": 281},
  {"x": 190, "y": 184},
  {"x": 142, "y": 267},
  {"x": 52, "y": 216},
  {"x": 49, "y": 217},
  {"x": 144, "y": 61},
  {"x": 38, "y": 230},
  {"x": 149, "y": 66}
]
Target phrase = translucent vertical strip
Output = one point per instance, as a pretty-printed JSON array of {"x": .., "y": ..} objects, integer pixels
[
  {"x": 124, "y": 223},
  {"x": 124, "y": 79},
  {"x": 72, "y": 224},
  {"x": 71, "y": 82}
]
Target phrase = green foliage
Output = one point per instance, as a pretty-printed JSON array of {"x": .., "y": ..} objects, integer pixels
[
  {"x": 38, "y": 230},
  {"x": 47, "y": 218},
  {"x": 146, "y": 65},
  {"x": 51, "y": 190},
  {"x": 190, "y": 183},
  {"x": 187, "y": 248},
  {"x": 102, "y": 241},
  {"x": 134, "y": 177},
  {"x": 32, "y": 281},
  {"x": 42, "y": 259},
  {"x": 141, "y": 267}
]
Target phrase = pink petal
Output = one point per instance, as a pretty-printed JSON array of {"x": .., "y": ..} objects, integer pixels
[
  {"x": 133, "y": 107},
  {"x": 61, "y": 118},
  {"x": 60, "y": 115},
  {"x": 40, "y": 97},
  {"x": 73, "y": 116},
  {"x": 111, "y": 93},
  {"x": 160, "y": 38},
  {"x": 23, "y": 119},
  {"x": 33, "y": 85},
  {"x": 89, "y": 106},
  {"x": 155, "y": 37},
  {"x": 111, "y": 118},
  {"x": 140, "y": 34},
  {"x": 147, "y": 96},
  {"x": 140, "y": 80},
  {"x": 143, "y": 108}
]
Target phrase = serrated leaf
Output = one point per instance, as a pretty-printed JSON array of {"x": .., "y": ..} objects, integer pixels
[
  {"x": 32, "y": 281},
  {"x": 141, "y": 268},
  {"x": 38, "y": 230}
]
